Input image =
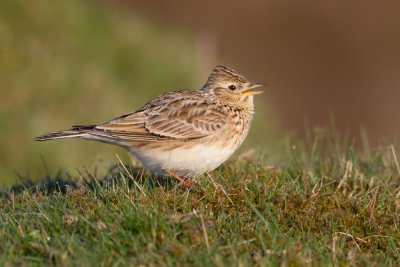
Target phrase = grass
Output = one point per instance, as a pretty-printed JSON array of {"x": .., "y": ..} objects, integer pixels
[{"x": 321, "y": 203}]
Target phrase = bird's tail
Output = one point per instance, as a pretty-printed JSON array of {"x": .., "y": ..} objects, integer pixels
[{"x": 75, "y": 131}]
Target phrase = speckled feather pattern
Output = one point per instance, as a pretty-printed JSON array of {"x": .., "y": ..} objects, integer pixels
[{"x": 187, "y": 131}]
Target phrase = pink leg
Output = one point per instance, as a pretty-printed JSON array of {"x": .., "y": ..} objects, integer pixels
[{"x": 185, "y": 183}]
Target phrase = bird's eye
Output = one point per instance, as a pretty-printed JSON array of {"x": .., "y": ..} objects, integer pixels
[{"x": 232, "y": 87}]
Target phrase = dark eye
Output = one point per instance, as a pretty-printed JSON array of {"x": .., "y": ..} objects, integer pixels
[{"x": 232, "y": 87}]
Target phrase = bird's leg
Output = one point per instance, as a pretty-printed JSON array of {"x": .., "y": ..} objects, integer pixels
[{"x": 176, "y": 176}]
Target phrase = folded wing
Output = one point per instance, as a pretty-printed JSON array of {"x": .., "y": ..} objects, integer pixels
[{"x": 176, "y": 119}]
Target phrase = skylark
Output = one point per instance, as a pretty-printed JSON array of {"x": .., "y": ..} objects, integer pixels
[{"x": 182, "y": 133}]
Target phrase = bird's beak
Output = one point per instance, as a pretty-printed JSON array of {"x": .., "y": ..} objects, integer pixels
[{"x": 251, "y": 86}]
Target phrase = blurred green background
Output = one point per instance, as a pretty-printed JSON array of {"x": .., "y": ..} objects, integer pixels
[
  {"x": 65, "y": 63},
  {"x": 73, "y": 62}
]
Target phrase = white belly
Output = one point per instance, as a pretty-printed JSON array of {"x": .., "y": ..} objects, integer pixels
[{"x": 185, "y": 161}]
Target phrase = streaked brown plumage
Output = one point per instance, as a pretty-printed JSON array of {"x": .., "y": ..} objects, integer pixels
[{"x": 183, "y": 133}]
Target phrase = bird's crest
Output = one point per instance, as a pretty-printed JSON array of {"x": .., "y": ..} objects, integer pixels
[{"x": 223, "y": 73}]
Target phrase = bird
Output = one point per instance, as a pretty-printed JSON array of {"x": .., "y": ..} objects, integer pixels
[{"x": 182, "y": 133}]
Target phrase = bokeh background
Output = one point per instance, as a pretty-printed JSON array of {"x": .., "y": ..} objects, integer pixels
[{"x": 74, "y": 62}]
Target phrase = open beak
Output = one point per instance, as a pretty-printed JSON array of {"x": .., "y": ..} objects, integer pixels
[{"x": 251, "y": 86}]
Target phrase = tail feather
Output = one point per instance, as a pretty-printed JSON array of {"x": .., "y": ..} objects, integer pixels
[{"x": 75, "y": 131}]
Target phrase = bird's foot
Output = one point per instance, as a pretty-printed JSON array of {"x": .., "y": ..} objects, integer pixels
[{"x": 177, "y": 177}]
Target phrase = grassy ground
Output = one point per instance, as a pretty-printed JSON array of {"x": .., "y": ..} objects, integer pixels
[{"x": 321, "y": 203}]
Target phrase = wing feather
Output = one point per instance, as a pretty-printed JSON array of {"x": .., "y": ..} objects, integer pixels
[
  {"x": 171, "y": 119},
  {"x": 185, "y": 120}
]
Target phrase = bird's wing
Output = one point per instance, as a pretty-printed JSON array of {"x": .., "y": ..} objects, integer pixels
[
  {"x": 179, "y": 119},
  {"x": 185, "y": 119}
]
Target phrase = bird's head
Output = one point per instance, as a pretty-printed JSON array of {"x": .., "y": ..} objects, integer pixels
[{"x": 229, "y": 85}]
